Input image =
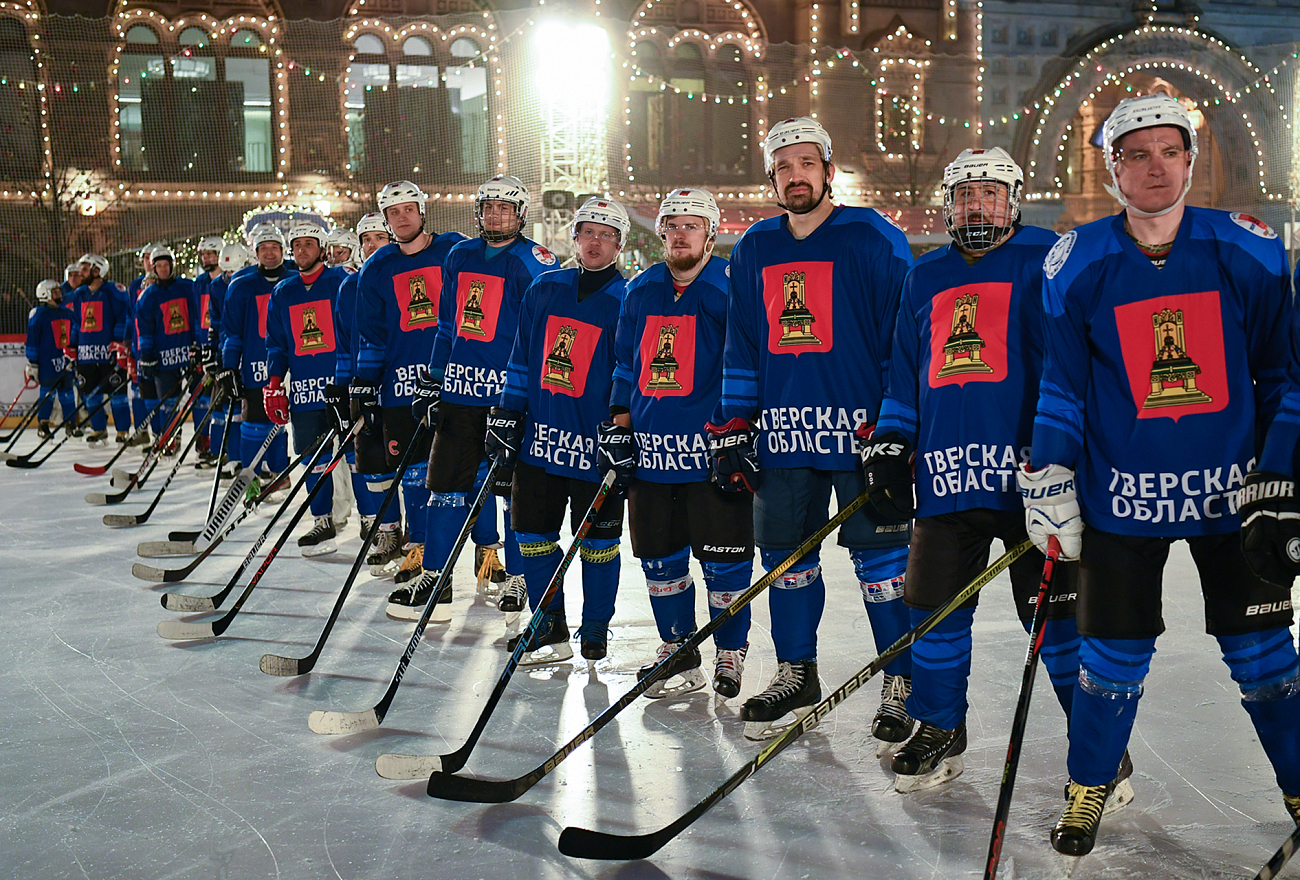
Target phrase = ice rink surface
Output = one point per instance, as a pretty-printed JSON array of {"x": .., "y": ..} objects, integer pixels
[{"x": 126, "y": 756}]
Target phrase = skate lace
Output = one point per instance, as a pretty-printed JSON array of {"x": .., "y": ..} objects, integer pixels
[
  {"x": 785, "y": 684},
  {"x": 1084, "y": 804},
  {"x": 730, "y": 663},
  {"x": 1292, "y": 802},
  {"x": 893, "y": 696},
  {"x": 321, "y": 526},
  {"x": 929, "y": 741},
  {"x": 491, "y": 562},
  {"x": 516, "y": 588},
  {"x": 423, "y": 584},
  {"x": 666, "y": 650},
  {"x": 414, "y": 558},
  {"x": 594, "y": 632}
]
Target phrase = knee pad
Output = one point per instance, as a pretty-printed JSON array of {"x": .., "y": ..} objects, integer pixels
[
  {"x": 599, "y": 550},
  {"x": 1263, "y": 664},
  {"x": 533, "y": 545},
  {"x": 772, "y": 558},
  {"x": 668, "y": 575},
  {"x": 879, "y": 566},
  {"x": 446, "y": 499},
  {"x": 1115, "y": 668},
  {"x": 414, "y": 476}
]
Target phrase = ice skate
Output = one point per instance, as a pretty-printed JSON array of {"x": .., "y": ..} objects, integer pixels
[
  {"x": 683, "y": 676},
  {"x": 97, "y": 439},
  {"x": 892, "y": 724},
  {"x": 43, "y": 430},
  {"x": 122, "y": 438},
  {"x": 386, "y": 548},
  {"x": 407, "y": 602},
  {"x": 727, "y": 671},
  {"x": 549, "y": 644},
  {"x": 411, "y": 565},
  {"x": 1292, "y": 802},
  {"x": 594, "y": 640},
  {"x": 512, "y": 601},
  {"x": 1122, "y": 795},
  {"x": 1076, "y": 831},
  {"x": 791, "y": 696},
  {"x": 320, "y": 540},
  {"x": 491, "y": 573},
  {"x": 932, "y": 757},
  {"x": 142, "y": 439}
]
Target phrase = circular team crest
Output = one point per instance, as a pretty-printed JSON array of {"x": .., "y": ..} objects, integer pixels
[
  {"x": 1293, "y": 549},
  {"x": 1060, "y": 251},
  {"x": 726, "y": 270},
  {"x": 543, "y": 256},
  {"x": 1253, "y": 224}
]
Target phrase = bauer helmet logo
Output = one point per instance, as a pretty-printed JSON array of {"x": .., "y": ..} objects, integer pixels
[{"x": 1060, "y": 251}]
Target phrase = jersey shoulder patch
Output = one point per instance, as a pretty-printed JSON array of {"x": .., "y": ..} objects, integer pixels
[
  {"x": 1059, "y": 253},
  {"x": 543, "y": 256},
  {"x": 1253, "y": 225},
  {"x": 892, "y": 222}
]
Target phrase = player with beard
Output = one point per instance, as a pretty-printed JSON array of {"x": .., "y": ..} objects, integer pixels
[
  {"x": 814, "y": 295},
  {"x": 666, "y": 383}
]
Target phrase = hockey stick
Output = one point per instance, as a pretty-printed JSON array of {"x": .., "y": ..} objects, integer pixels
[
  {"x": 180, "y": 630},
  {"x": 178, "y": 602},
  {"x": 332, "y": 722},
  {"x": 27, "y": 416},
  {"x": 221, "y": 457},
  {"x": 391, "y": 766},
  {"x": 96, "y": 470},
  {"x": 28, "y": 384},
  {"x": 460, "y": 788},
  {"x": 25, "y": 460},
  {"x": 1021, "y": 718},
  {"x": 1280, "y": 858},
  {"x": 236, "y": 490},
  {"x": 155, "y": 454},
  {"x": 117, "y": 521},
  {"x": 274, "y": 664},
  {"x": 584, "y": 843}
]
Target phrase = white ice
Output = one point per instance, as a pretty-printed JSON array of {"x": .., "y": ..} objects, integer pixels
[{"x": 125, "y": 756}]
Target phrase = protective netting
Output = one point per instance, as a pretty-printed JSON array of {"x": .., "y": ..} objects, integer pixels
[{"x": 117, "y": 132}]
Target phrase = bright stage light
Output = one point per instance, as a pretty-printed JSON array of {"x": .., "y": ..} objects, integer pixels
[{"x": 571, "y": 67}]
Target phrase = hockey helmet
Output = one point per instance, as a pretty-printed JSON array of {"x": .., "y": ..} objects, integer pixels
[
  {"x": 70, "y": 270},
  {"x": 372, "y": 222},
  {"x": 46, "y": 291},
  {"x": 308, "y": 230},
  {"x": 689, "y": 203},
  {"x": 96, "y": 262},
  {"x": 211, "y": 243},
  {"x": 994, "y": 165},
  {"x": 162, "y": 252},
  {"x": 400, "y": 193},
  {"x": 610, "y": 213},
  {"x": 801, "y": 129},
  {"x": 234, "y": 256},
  {"x": 502, "y": 188},
  {"x": 1146, "y": 111},
  {"x": 263, "y": 233}
]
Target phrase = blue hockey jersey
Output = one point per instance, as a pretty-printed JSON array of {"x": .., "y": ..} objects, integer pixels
[
  {"x": 561, "y": 369},
  {"x": 397, "y": 315},
  {"x": 165, "y": 319},
  {"x": 49, "y": 331},
  {"x": 669, "y": 371},
  {"x": 478, "y": 314},
  {"x": 345, "y": 332},
  {"x": 964, "y": 371},
  {"x": 1159, "y": 386},
  {"x": 301, "y": 338},
  {"x": 243, "y": 323},
  {"x": 809, "y": 328},
  {"x": 103, "y": 316}
]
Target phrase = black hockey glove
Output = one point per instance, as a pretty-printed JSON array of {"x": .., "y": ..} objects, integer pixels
[
  {"x": 428, "y": 394},
  {"x": 228, "y": 378},
  {"x": 733, "y": 456},
  {"x": 209, "y": 359},
  {"x": 505, "y": 433},
  {"x": 1270, "y": 526},
  {"x": 148, "y": 367},
  {"x": 617, "y": 453},
  {"x": 887, "y": 466},
  {"x": 336, "y": 404},
  {"x": 196, "y": 356},
  {"x": 365, "y": 394}
]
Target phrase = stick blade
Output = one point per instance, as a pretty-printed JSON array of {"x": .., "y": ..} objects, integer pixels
[
  {"x": 121, "y": 520},
  {"x": 177, "y": 602},
  {"x": 179, "y": 630},
  {"x": 274, "y": 664},
  {"x": 159, "y": 549},
  {"x": 7, "y": 456},
  {"x": 24, "y": 462},
  {"x": 149, "y": 573},
  {"x": 99, "y": 499},
  {"x": 120, "y": 479},
  {"x": 583, "y": 843},
  {"x": 187, "y": 537},
  {"x": 466, "y": 789},
  {"x": 90, "y": 470},
  {"x": 391, "y": 766},
  {"x": 332, "y": 723}
]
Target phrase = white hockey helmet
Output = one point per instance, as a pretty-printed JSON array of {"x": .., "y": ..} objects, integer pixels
[
  {"x": 997, "y": 166},
  {"x": 689, "y": 203},
  {"x": 46, "y": 290},
  {"x": 146, "y": 250},
  {"x": 70, "y": 270},
  {"x": 162, "y": 252},
  {"x": 400, "y": 193},
  {"x": 307, "y": 230},
  {"x": 211, "y": 243},
  {"x": 501, "y": 188},
  {"x": 234, "y": 256},
  {"x": 341, "y": 236},
  {"x": 801, "y": 129},
  {"x": 1146, "y": 111},
  {"x": 96, "y": 262},
  {"x": 606, "y": 211},
  {"x": 372, "y": 222},
  {"x": 262, "y": 233}
]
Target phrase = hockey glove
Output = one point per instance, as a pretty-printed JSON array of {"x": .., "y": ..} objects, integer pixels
[
  {"x": 209, "y": 359},
  {"x": 505, "y": 433},
  {"x": 276, "y": 401},
  {"x": 1270, "y": 526},
  {"x": 617, "y": 453},
  {"x": 120, "y": 353},
  {"x": 733, "y": 458},
  {"x": 336, "y": 403},
  {"x": 228, "y": 378},
  {"x": 196, "y": 356},
  {"x": 31, "y": 372},
  {"x": 887, "y": 465},
  {"x": 1052, "y": 508},
  {"x": 148, "y": 367},
  {"x": 365, "y": 395},
  {"x": 427, "y": 396},
  {"x": 503, "y": 481}
]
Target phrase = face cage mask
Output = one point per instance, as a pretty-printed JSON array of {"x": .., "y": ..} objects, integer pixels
[
  {"x": 978, "y": 238},
  {"x": 497, "y": 237}
]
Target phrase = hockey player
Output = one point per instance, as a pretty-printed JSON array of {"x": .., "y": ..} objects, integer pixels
[
  {"x": 243, "y": 345},
  {"x": 300, "y": 342},
  {"x": 102, "y": 319},
  {"x": 372, "y": 234},
  {"x": 556, "y": 395},
  {"x": 483, "y": 281},
  {"x": 343, "y": 249},
  {"x": 667, "y": 381},
  {"x": 963, "y": 377},
  {"x": 814, "y": 294},
  {"x": 165, "y": 318},
  {"x": 396, "y": 321},
  {"x": 209, "y": 251},
  {"x": 71, "y": 280},
  {"x": 128, "y": 360},
  {"x": 49, "y": 349},
  {"x": 1167, "y": 355},
  {"x": 234, "y": 256}
]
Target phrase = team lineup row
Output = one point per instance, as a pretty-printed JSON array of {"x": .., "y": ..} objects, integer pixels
[{"x": 1138, "y": 374}]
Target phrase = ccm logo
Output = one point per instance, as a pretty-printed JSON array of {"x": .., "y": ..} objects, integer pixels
[
  {"x": 885, "y": 449},
  {"x": 1049, "y": 491},
  {"x": 1268, "y": 608}
]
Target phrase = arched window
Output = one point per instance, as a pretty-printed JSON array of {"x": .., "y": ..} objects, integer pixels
[
  {"x": 646, "y": 110},
  {"x": 686, "y": 145},
  {"x": 728, "y": 132},
  {"x": 140, "y": 69},
  {"x": 467, "y": 82},
  {"x": 20, "y": 105}
]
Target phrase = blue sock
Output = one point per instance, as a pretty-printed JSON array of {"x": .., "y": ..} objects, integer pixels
[
  {"x": 444, "y": 518},
  {"x": 323, "y": 502},
  {"x": 726, "y": 581},
  {"x": 98, "y": 418},
  {"x": 513, "y": 562},
  {"x": 540, "y": 557},
  {"x": 672, "y": 594},
  {"x": 796, "y": 602},
  {"x": 138, "y": 407},
  {"x": 1060, "y": 656},
  {"x": 1264, "y": 666},
  {"x": 367, "y": 501},
  {"x": 66, "y": 402},
  {"x": 484, "y": 532},
  {"x": 156, "y": 420},
  {"x": 121, "y": 412},
  {"x": 880, "y": 577},
  {"x": 416, "y": 498},
  {"x": 1111, "y": 672},
  {"x": 277, "y": 458},
  {"x": 941, "y": 669},
  {"x": 251, "y": 436},
  {"x": 600, "y": 564}
]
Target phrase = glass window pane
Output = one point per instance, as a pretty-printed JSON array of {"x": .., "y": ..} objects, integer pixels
[
  {"x": 141, "y": 34},
  {"x": 193, "y": 36},
  {"x": 194, "y": 67},
  {"x": 361, "y": 80},
  {"x": 245, "y": 39},
  {"x": 465, "y": 48},
  {"x": 417, "y": 46},
  {"x": 133, "y": 72},
  {"x": 467, "y": 100},
  {"x": 417, "y": 76},
  {"x": 369, "y": 44},
  {"x": 254, "y": 76}
]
